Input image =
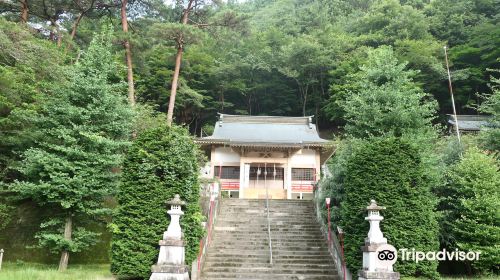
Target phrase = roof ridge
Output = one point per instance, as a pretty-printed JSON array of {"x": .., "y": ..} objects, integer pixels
[
  {"x": 264, "y": 119},
  {"x": 267, "y": 116}
]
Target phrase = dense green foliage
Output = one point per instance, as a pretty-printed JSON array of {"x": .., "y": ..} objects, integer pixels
[
  {"x": 5, "y": 215},
  {"x": 470, "y": 200},
  {"x": 287, "y": 57},
  {"x": 162, "y": 162},
  {"x": 490, "y": 136},
  {"x": 391, "y": 172},
  {"x": 384, "y": 100},
  {"x": 28, "y": 68},
  {"x": 81, "y": 132}
]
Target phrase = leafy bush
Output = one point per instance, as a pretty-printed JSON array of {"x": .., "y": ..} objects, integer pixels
[
  {"x": 162, "y": 162},
  {"x": 390, "y": 171},
  {"x": 470, "y": 203}
]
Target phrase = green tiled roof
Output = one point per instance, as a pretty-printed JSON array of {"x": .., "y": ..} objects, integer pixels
[{"x": 266, "y": 130}]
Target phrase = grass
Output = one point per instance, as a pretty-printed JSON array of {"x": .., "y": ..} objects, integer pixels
[{"x": 32, "y": 271}]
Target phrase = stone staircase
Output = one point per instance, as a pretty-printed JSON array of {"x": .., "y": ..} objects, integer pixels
[{"x": 240, "y": 248}]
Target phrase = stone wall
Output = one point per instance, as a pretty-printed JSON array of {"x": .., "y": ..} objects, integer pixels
[{"x": 18, "y": 236}]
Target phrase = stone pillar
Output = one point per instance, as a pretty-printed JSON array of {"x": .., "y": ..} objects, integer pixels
[
  {"x": 288, "y": 178},
  {"x": 378, "y": 256},
  {"x": 242, "y": 179},
  {"x": 246, "y": 183},
  {"x": 171, "y": 264}
]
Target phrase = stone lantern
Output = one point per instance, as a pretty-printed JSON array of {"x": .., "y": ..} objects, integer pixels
[
  {"x": 171, "y": 264},
  {"x": 375, "y": 235},
  {"x": 378, "y": 256}
]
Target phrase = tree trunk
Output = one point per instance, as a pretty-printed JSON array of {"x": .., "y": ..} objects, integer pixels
[
  {"x": 221, "y": 98},
  {"x": 24, "y": 11},
  {"x": 73, "y": 30},
  {"x": 316, "y": 117},
  {"x": 63, "y": 262},
  {"x": 52, "y": 33},
  {"x": 128, "y": 55},
  {"x": 59, "y": 38},
  {"x": 173, "y": 89},
  {"x": 303, "y": 92},
  {"x": 178, "y": 59},
  {"x": 75, "y": 25}
]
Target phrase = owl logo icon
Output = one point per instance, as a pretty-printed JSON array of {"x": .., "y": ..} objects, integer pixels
[{"x": 386, "y": 255}]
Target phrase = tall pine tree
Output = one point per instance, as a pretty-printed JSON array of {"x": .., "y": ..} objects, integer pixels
[{"x": 82, "y": 131}]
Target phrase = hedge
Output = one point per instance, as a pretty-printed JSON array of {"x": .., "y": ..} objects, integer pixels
[
  {"x": 470, "y": 203},
  {"x": 162, "y": 162},
  {"x": 391, "y": 172}
]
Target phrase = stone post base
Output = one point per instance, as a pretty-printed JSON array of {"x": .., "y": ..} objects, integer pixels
[
  {"x": 169, "y": 272},
  {"x": 377, "y": 275}
]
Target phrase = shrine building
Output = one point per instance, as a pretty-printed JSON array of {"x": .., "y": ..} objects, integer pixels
[{"x": 249, "y": 154}]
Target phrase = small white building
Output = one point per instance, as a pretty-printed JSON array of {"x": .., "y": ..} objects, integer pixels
[{"x": 251, "y": 153}]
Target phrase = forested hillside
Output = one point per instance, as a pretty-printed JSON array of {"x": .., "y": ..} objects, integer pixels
[{"x": 284, "y": 57}]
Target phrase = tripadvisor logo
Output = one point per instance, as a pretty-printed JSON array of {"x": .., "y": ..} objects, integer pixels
[{"x": 387, "y": 255}]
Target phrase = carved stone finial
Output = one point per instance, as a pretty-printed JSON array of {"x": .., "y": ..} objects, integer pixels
[
  {"x": 373, "y": 206},
  {"x": 176, "y": 201}
]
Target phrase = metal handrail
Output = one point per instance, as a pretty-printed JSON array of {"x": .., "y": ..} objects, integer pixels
[
  {"x": 268, "y": 220},
  {"x": 205, "y": 241},
  {"x": 333, "y": 245}
]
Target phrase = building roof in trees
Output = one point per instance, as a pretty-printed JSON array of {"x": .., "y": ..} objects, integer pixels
[
  {"x": 469, "y": 122},
  {"x": 273, "y": 131}
]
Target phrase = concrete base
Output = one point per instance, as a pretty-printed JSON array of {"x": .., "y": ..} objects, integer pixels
[
  {"x": 169, "y": 272},
  {"x": 168, "y": 276},
  {"x": 378, "y": 275}
]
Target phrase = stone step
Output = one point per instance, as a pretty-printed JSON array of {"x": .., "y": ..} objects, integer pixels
[
  {"x": 225, "y": 234},
  {"x": 252, "y": 200},
  {"x": 264, "y": 228},
  {"x": 275, "y": 269},
  {"x": 275, "y": 266},
  {"x": 264, "y": 231},
  {"x": 265, "y": 252},
  {"x": 278, "y": 210},
  {"x": 240, "y": 248},
  {"x": 221, "y": 239},
  {"x": 272, "y": 213},
  {"x": 261, "y": 259},
  {"x": 313, "y": 242},
  {"x": 263, "y": 209},
  {"x": 264, "y": 206},
  {"x": 280, "y": 222},
  {"x": 271, "y": 275},
  {"x": 276, "y": 203},
  {"x": 260, "y": 218},
  {"x": 275, "y": 247},
  {"x": 304, "y": 260}
]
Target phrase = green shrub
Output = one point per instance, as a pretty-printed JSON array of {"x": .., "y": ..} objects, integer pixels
[
  {"x": 390, "y": 171},
  {"x": 470, "y": 205},
  {"x": 162, "y": 162}
]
